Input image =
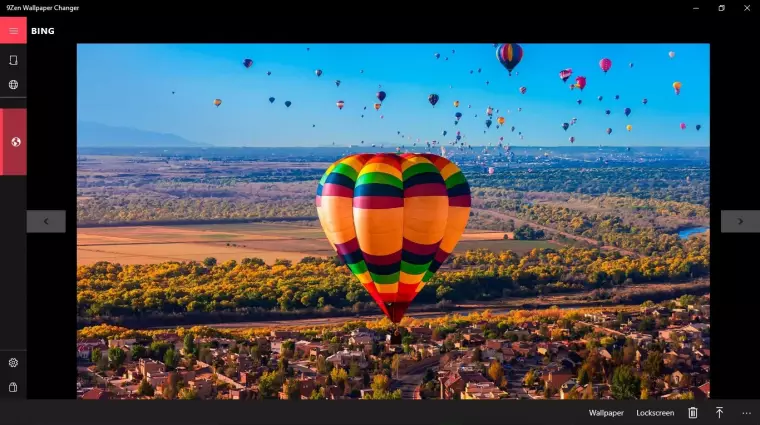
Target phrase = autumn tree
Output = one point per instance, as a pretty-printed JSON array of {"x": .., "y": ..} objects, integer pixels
[
  {"x": 496, "y": 373},
  {"x": 530, "y": 378},
  {"x": 354, "y": 370},
  {"x": 395, "y": 364},
  {"x": 339, "y": 377}
]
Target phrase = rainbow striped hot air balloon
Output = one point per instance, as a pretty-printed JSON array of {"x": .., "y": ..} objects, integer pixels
[
  {"x": 509, "y": 55},
  {"x": 393, "y": 220}
]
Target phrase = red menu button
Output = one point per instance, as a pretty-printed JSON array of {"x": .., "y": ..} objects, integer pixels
[{"x": 13, "y": 30}]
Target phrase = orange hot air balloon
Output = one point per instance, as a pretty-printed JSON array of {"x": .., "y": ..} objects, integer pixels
[
  {"x": 456, "y": 103},
  {"x": 340, "y": 104},
  {"x": 217, "y": 102},
  {"x": 677, "y": 87},
  {"x": 377, "y": 106},
  {"x": 393, "y": 220},
  {"x": 500, "y": 120}
]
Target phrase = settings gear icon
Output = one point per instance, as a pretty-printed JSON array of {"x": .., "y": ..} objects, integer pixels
[{"x": 13, "y": 362}]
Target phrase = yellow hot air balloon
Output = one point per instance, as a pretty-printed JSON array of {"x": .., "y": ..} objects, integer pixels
[
  {"x": 677, "y": 87},
  {"x": 456, "y": 103},
  {"x": 217, "y": 102},
  {"x": 377, "y": 106},
  {"x": 393, "y": 220},
  {"x": 629, "y": 127},
  {"x": 500, "y": 120}
]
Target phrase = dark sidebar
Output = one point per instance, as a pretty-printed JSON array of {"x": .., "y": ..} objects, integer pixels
[{"x": 13, "y": 163}]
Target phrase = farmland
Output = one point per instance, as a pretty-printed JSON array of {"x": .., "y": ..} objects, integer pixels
[{"x": 268, "y": 241}]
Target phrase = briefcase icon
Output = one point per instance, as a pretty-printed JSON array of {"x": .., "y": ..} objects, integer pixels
[{"x": 12, "y": 387}]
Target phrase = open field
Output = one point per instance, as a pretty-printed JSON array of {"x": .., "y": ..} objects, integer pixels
[{"x": 268, "y": 241}]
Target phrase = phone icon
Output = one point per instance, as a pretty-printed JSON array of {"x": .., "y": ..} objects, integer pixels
[{"x": 13, "y": 60}]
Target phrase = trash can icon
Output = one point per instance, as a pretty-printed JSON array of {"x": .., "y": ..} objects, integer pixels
[
  {"x": 12, "y": 387},
  {"x": 693, "y": 413}
]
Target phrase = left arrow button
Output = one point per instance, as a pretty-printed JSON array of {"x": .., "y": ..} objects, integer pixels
[{"x": 46, "y": 221}]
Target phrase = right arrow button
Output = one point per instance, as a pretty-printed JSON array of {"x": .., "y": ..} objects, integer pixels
[{"x": 740, "y": 221}]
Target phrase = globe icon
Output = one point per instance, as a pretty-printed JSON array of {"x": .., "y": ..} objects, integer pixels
[{"x": 13, "y": 84}]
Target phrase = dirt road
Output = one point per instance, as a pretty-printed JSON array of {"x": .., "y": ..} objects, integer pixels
[{"x": 520, "y": 222}]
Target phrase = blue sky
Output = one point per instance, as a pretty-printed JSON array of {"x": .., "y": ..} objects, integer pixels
[{"x": 131, "y": 85}]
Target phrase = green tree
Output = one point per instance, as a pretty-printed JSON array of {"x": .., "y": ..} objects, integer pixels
[
  {"x": 96, "y": 355},
  {"x": 158, "y": 349},
  {"x": 144, "y": 389},
  {"x": 293, "y": 388},
  {"x": 268, "y": 384},
  {"x": 283, "y": 365},
  {"x": 583, "y": 376},
  {"x": 116, "y": 357},
  {"x": 653, "y": 364},
  {"x": 323, "y": 366},
  {"x": 625, "y": 384},
  {"x": 188, "y": 393},
  {"x": 138, "y": 351},
  {"x": 687, "y": 300},
  {"x": 170, "y": 358},
  {"x": 189, "y": 344},
  {"x": 209, "y": 262}
]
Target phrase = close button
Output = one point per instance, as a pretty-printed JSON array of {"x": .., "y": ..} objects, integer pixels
[{"x": 46, "y": 221}]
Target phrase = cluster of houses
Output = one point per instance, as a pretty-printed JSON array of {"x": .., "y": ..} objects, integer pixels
[{"x": 479, "y": 361}]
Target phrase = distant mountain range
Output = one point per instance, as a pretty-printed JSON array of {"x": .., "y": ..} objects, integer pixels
[{"x": 90, "y": 134}]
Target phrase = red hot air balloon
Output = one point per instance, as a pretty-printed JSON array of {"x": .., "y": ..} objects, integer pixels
[
  {"x": 580, "y": 82},
  {"x": 340, "y": 104},
  {"x": 683, "y": 126},
  {"x": 381, "y": 96},
  {"x": 605, "y": 64},
  {"x": 565, "y": 74},
  {"x": 523, "y": 90}
]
